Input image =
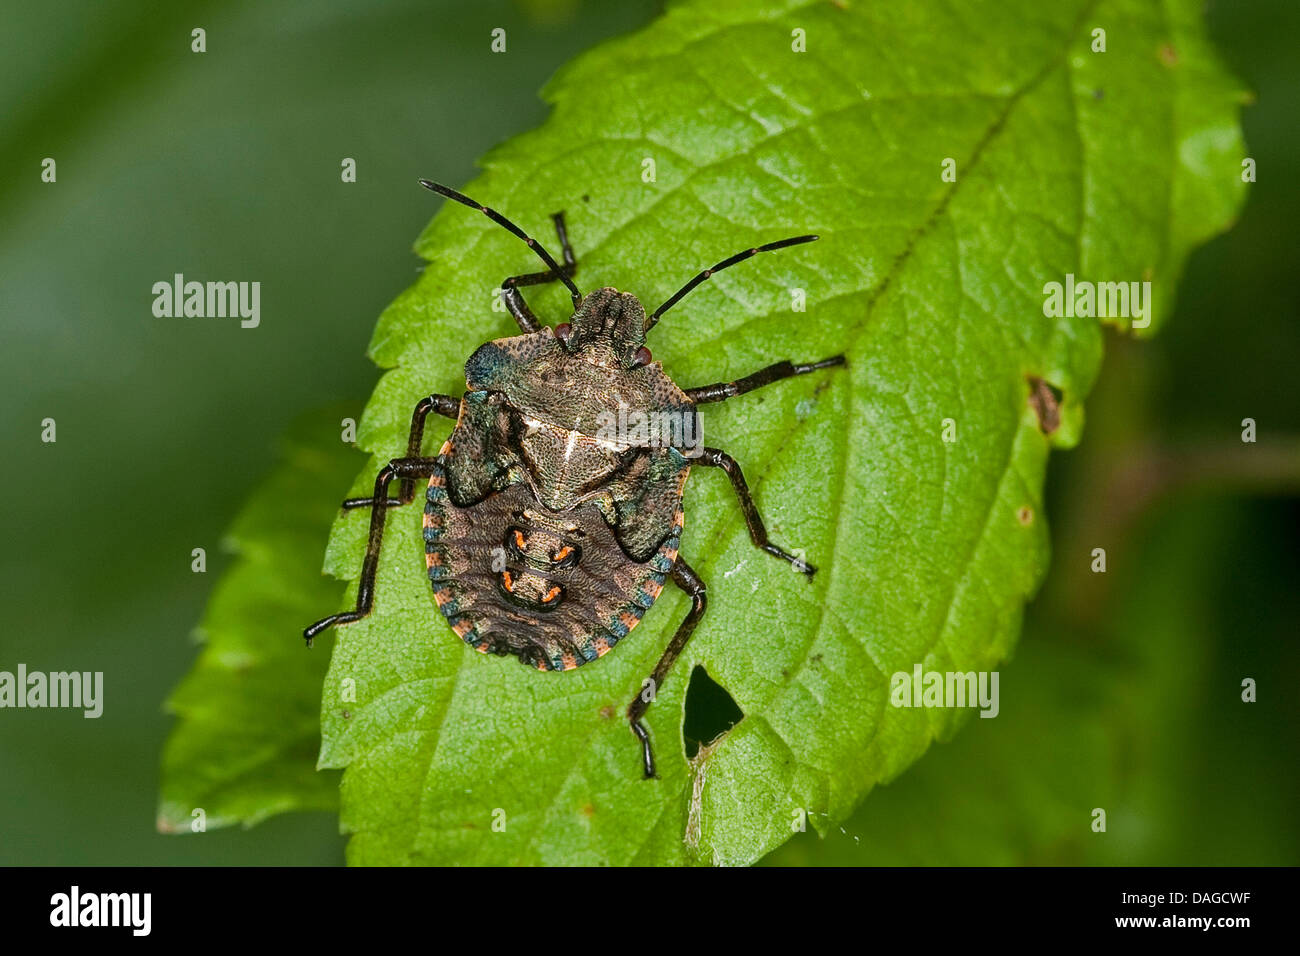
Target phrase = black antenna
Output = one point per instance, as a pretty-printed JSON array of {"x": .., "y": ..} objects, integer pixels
[
  {"x": 725, "y": 263},
  {"x": 501, "y": 220}
]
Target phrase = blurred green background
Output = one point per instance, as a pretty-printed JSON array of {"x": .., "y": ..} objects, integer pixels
[{"x": 1125, "y": 690}]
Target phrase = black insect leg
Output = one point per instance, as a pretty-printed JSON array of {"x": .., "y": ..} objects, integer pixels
[
  {"x": 403, "y": 468},
  {"x": 514, "y": 299},
  {"x": 721, "y": 391},
  {"x": 716, "y": 458},
  {"x": 443, "y": 405},
  {"x": 686, "y": 579}
]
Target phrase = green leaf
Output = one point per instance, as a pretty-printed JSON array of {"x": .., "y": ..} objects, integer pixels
[
  {"x": 1017, "y": 790},
  {"x": 1108, "y": 166},
  {"x": 245, "y": 744},
  {"x": 1094, "y": 716}
]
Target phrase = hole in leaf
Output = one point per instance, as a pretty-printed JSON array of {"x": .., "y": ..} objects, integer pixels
[{"x": 710, "y": 712}]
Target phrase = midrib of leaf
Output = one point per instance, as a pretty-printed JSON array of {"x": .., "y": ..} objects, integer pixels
[{"x": 855, "y": 336}]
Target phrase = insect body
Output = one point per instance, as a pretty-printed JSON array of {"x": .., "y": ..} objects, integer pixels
[{"x": 549, "y": 529}]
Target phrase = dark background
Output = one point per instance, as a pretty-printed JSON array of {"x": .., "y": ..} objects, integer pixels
[{"x": 226, "y": 165}]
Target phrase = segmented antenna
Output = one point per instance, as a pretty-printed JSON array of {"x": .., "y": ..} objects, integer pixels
[
  {"x": 725, "y": 263},
  {"x": 501, "y": 220}
]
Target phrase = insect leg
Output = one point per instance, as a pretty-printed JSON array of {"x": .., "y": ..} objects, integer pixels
[
  {"x": 773, "y": 373},
  {"x": 404, "y": 468},
  {"x": 443, "y": 405},
  {"x": 716, "y": 458},
  {"x": 514, "y": 299},
  {"x": 686, "y": 579}
]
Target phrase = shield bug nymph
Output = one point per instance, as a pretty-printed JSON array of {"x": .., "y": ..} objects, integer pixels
[{"x": 548, "y": 534}]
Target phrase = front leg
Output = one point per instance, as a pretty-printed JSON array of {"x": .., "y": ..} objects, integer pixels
[
  {"x": 716, "y": 458},
  {"x": 514, "y": 299},
  {"x": 721, "y": 391}
]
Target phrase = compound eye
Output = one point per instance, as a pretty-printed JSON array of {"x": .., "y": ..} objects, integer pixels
[
  {"x": 642, "y": 357},
  {"x": 562, "y": 332}
]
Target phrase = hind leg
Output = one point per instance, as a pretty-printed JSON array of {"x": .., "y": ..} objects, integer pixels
[{"x": 686, "y": 579}]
